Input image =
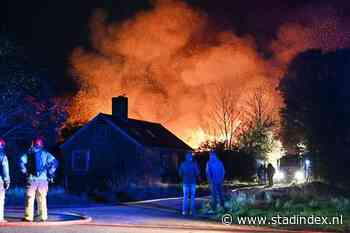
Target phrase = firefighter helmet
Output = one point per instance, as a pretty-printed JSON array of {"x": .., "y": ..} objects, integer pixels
[
  {"x": 2, "y": 142},
  {"x": 39, "y": 141}
]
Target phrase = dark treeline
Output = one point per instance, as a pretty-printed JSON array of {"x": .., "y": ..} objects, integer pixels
[
  {"x": 316, "y": 93},
  {"x": 28, "y": 105}
]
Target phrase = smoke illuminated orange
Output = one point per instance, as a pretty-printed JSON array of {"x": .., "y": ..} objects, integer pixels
[{"x": 168, "y": 61}]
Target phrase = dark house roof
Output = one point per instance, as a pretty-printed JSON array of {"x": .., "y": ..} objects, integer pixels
[
  {"x": 144, "y": 133},
  {"x": 148, "y": 133}
]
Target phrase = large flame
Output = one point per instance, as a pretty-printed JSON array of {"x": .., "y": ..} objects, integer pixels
[{"x": 168, "y": 61}]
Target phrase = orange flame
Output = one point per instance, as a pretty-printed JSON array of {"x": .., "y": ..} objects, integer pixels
[{"x": 168, "y": 60}]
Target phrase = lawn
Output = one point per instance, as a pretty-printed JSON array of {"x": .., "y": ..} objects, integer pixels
[{"x": 302, "y": 207}]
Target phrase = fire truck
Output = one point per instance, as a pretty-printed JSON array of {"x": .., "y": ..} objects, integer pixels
[{"x": 293, "y": 168}]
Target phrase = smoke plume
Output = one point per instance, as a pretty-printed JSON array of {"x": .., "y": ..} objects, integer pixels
[{"x": 170, "y": 59}]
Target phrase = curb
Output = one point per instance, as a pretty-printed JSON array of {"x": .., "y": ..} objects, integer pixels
[
  {"x": 246, "y": 229},
  {"x": 83, "y": 219}
]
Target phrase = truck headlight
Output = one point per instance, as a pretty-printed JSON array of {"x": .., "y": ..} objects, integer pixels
[
  {"x": 280, "y": 175},
  {"x": 299, "y": 176},
  {"x": 307, "y": 162}
]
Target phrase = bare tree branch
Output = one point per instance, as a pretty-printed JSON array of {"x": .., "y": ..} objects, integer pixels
[{"x": 224, "y": 117}]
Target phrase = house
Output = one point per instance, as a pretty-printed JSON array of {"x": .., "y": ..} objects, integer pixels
[{"x": 114, "y": 151}]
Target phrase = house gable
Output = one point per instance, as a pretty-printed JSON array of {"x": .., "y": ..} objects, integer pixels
[
  {"x": 92, "y": 124},
  {"x": 100, "y": 150}
]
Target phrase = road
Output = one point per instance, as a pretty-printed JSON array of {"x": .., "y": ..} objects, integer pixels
[
  {"x": 128, "y": 219},
  {"x": 104, "y": 229},
  {"x": 143, "y": 217}
]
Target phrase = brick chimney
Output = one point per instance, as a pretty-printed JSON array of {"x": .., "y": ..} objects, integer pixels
[{"x": 120, "y": 107}]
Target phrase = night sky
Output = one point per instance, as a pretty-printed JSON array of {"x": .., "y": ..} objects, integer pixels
[{"x": 50, "y": 30}]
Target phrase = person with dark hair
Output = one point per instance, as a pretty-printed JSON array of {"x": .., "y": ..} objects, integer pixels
[
  {"x": 261, "y": 174},
  {"x": 39, "y": 167},
  {"x": 270, "y": 173},
  {"x": 215, "y": 174},
  {"x": 4, "y": 177},
  {"x": 189, "y": 173}
]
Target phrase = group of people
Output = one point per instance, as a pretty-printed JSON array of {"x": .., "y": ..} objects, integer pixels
[
  {"x": 38, "y": 166},
  {"x": 265, "y": 174},
  {"x": 215, "y": 172},
  {"x": 189, "y": 172}
]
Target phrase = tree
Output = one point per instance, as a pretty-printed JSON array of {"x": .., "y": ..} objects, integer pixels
[
  {"x": 68, "y": 129},
  {"x": 211, "y": 145},
  {"x": 257, "y": 136},
  {"x": 316, "y": 97},
  {"x": 224, "y": 117},
  {"x": 27, "y": 104}
]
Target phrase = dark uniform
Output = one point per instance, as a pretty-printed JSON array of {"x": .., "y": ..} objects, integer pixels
[
  {"x": 270, "y": 173},
  {"x": 39, "y": 167}
]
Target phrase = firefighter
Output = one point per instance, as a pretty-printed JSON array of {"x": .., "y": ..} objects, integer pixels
[
  {"x": 215, "y": 174},
  {"x": 270, "y": 173},
  {"x": 189, "y": 173},
  {"x": 4, "y": 178},
  {"x": 39, "y": 167}
]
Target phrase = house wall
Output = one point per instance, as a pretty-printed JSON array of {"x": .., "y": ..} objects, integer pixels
[
  {"x": 114, "y": 161},
  {"x": 169, "y": 162}
]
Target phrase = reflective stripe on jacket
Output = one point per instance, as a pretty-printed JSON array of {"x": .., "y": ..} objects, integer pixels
[
  {"x": 5, "y": 174},
  {"x": 48, "y": 161}
]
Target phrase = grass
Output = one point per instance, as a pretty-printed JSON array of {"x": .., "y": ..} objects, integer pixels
[
  {"x": 288, "y": 208},
  {"x": 56, "y": 196}
]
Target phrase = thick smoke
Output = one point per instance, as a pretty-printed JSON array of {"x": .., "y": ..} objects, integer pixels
[
  {"x": 170, "y": 60},
  {"x": 311, "y": 28}
]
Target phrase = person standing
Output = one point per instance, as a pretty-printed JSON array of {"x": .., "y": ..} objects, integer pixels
[
  {"x": 270, "y": 173},
  {"x": 264, "y": 174},
  {"x": 4, "y": 177},
  {"x": 307, "y": 170},
  {"x": 215, "y": 174},
  {"x": 39, "y": 167},
  {"x": 261, "y": 174},
  {"x": 189, "y": 173}
]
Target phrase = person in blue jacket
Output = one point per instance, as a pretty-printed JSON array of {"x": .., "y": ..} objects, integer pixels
[
  {"x": 189, "y": 173},
  {"x": 4, "y": 177},
  {"x": 215, "y": 174},
  {"x": 39, "y": 167}
]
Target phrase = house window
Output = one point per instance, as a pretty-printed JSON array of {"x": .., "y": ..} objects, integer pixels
[
  {"x": 168, "y": 174},
  {"x": 175, "y": 158},
  {"x": 80, "y": 160},
  {"x": 165, "y": 162}
]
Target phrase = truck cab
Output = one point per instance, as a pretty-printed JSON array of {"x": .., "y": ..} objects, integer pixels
[{"x": 292, "y": 168}]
